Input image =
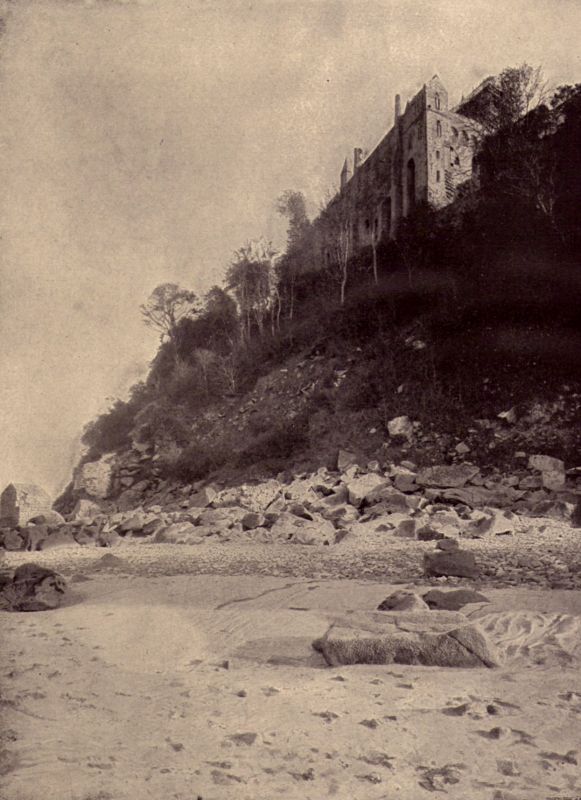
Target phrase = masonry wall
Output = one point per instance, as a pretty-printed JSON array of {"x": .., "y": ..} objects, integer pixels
[{"x": 423, "y": 158}]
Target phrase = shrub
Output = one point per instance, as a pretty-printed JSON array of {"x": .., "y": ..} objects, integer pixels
[{"x": 281, "y": 442}]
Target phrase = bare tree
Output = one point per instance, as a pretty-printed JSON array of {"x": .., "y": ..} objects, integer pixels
[{"x": 336, "y": 226}]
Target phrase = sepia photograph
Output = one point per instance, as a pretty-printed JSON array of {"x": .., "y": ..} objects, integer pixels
[{"x": 290, "y": 399}]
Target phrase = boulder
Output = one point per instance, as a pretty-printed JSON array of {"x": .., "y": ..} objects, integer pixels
[
  {"x": 12, "y": 540},
  {"x": 203, "y": 498},
  {"x": 364, "y": 490},
  {"x": 443, "y": 476},
  {"x": 33, "y": 588},
  {"x": 345, "y": 459},
  {"x": 252, "y": 520},
  {"x": 546, "y": 464},
  {"x": 553, "y": 476},
  {"x": 403, "y": 600},
  {"x": 107, "y": 539},
  {"x": 458, "y": 563},
  {"x": 405, "y": 528},
  {"x": 252, "y": 497},
  {"x": 85, "y": 510},
  {"x": 34, "y": 535},
  {"x": 453, "y": 600},
  {"x": 390, "y": 501},
  {"x": 478, "y": 496},
  {"x": 61, "y": 538},
  {"x": 491, "y": 522},
  {"x": 435, "y": 639},
  {"x": 95, "y": 477},
  {"x": 428, "y": 534},
  {"x": 179, "y": 533},
  {"x": 296, "y": 530},
  {"x": 400, "y": 428},
  {"x": 446, "y": 545}
]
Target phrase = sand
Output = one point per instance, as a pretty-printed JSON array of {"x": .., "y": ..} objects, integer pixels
[{"x": 203, "y": 686}]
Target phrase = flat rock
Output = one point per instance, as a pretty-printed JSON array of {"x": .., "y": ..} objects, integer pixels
[{"x": 437, "y": 639}]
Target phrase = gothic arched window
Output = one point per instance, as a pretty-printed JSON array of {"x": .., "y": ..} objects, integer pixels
[
  {"x": 437, "y": 102},
  {"x": 438, "y": 128}
]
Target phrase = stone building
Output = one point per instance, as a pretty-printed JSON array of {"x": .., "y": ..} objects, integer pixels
[
  {"x": 425, "y": 156},
  {"x": 21, "y": 502}
]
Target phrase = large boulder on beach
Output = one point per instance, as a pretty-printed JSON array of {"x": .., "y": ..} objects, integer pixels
[
  {"x": 455, "y": 563},
  {"x": 33, "y": 588},
  {"x": 431, "y": 639}
]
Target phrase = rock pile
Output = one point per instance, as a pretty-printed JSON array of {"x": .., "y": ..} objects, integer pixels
[{"x": 447, "y": 504}]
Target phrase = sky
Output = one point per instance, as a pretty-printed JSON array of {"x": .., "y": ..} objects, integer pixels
[{"x": 144, "y": 141}]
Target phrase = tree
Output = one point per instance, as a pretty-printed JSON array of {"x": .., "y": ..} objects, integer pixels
[
  {"x": 292, "y": 205},
  {"x": 253, "y": 279},
  {"x": 166, "y": 306},
  {"x": 336, "y": 228}
]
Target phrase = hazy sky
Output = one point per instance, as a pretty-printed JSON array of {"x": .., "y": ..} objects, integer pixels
[{"x": 143, "y": 142}]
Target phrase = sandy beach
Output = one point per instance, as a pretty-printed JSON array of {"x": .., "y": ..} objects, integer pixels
[{"x": 194, "y": 686}]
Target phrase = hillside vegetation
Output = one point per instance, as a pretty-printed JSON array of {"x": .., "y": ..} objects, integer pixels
[{"x": 471, "y": 312}]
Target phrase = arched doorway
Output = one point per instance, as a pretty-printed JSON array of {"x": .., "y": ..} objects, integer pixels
[{"x": 411, "y": 185}]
